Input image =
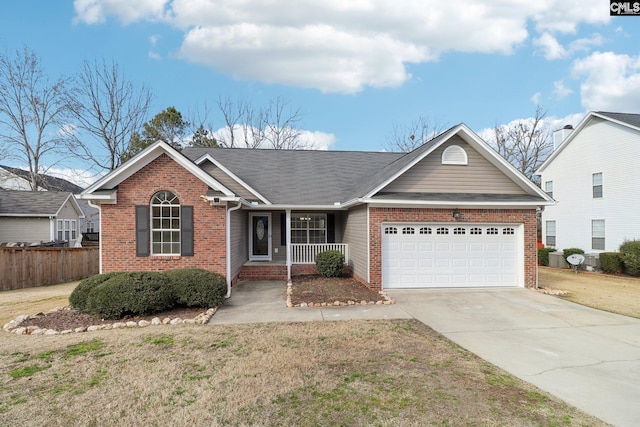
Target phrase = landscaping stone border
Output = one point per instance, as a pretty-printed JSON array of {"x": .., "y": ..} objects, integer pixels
[
  {"x": 14, "y": 325},
  {"x": 387, "y": 301}
]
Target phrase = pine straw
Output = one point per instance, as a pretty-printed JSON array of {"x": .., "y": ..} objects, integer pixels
[{"x": 388, "y": 373}]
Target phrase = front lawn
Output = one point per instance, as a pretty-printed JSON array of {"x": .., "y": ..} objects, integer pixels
[
  {"x": 616, "y": 294},
  {"x": 354, "y": 373}
]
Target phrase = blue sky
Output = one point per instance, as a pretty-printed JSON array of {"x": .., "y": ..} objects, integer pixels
[{"x": 355, "y": 68}]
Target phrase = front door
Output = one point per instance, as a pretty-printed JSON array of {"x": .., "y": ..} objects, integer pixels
[{"x": 260, "y": 237}]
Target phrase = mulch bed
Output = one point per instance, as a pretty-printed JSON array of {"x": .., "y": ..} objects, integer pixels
[
  {"x": 318, "y": 290},
  {"x": 71, "y": 319}
]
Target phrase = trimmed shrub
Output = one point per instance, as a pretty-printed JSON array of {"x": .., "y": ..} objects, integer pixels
[
  {"x": 630, "y": 252},
  {"x": 571, "y": 251},
  {"x": 543, "y": 255},
  {"x": 196, "y": 287},
  {"x": 131, "y": 294},
  {"x": 330, "y": 263},
  {"x": 611, "y": 262},
  {"x": 78, "y": 297}
]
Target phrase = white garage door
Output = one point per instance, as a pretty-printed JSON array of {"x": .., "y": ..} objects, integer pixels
[{"x": 441, "y": 255}]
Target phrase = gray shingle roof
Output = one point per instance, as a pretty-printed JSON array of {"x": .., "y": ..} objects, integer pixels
[
  {"x": 48, "y": 182},
  {"x": 301, "y": 176},
  {"x": 629, "y": 118},
  {"x": 31, "y": 203}
]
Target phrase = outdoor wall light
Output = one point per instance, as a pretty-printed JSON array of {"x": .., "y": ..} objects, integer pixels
[{"x": 456, "y": 213}]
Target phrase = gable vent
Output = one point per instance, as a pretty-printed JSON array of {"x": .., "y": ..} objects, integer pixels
[{"x": 454, "y": 155}]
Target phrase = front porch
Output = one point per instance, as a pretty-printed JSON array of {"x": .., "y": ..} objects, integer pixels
[{"x": 303, "y": 260}]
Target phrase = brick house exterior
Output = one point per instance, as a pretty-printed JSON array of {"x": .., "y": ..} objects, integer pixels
[{"x": 264, "y": 214}]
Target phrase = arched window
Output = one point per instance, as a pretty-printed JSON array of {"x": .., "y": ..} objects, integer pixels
[{"x": 165, "y": 224}]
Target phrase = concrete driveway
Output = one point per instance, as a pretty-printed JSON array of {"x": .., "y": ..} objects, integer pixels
[{"x": 586, "y": 357}]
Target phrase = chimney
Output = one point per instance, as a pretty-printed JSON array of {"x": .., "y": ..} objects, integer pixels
[{"x": 559, "y": 135}]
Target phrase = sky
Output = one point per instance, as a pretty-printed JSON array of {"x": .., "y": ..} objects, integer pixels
[{"x": 355, "y": 68}]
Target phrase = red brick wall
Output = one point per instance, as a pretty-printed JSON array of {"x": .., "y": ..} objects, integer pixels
[
  {"x": 512, "y": 216},
  {"x": 118, "y": 232}
]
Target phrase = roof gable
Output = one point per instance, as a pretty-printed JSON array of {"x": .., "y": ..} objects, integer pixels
[
  {"x": 629, "y": 121},
  {"x": 104, "y": 188},
  {"x": 461, "y": 131},
  {"x": 35, "y": 203}
]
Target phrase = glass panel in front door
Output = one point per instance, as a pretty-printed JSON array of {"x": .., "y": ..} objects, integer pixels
[{"x": 260, "y": 235}]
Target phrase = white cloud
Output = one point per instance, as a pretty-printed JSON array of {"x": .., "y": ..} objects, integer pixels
[
  {"x": 536, "y": 98},
  {"x": 128, "y": 11},
  {"x": 550, "y": 122},
  {"x": 552, "y": 49},
  {"x": 560, "y": 90},
  {"x": 345, "y": 46},
  {"x": 79, "y": 177},
  {"x": 314, "y": 140},
  {"x": 611, "y": 81}
]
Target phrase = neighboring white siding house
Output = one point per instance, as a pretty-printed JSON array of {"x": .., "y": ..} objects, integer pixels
[{"x": 593, "y": 176}]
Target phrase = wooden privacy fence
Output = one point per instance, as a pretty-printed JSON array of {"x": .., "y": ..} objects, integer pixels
[{"x": 29, "y": 267}]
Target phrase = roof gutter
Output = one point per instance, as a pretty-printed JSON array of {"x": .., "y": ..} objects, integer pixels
[
  {"x": 228, "y": 244},
  {"x": 452, "y": 204}
]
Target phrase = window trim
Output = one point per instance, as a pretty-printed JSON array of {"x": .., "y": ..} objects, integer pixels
[
  {"x": 162, "y": 230},
  {"x": 597, "y": 189},
  {"x": 602, "y": 238},
  {"x": 548, "y": 188},
  {"x": 308, "y": 228},
  {"x": 550, "y": 242}
]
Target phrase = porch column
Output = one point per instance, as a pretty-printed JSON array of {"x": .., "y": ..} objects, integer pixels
[{"x": 288, "y": 241}]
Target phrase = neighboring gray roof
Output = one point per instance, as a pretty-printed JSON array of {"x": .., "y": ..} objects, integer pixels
[
  {"x": 31, "y": 203},
  {"x": 48, "y": 182},
  {"x": 631, "y": 119},
  {"x": 301, "y": 176}
]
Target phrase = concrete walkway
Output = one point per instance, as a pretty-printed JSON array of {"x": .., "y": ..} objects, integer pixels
[
  {"x": 586, "y": 357},
  {"x": 265, "y": 301}
]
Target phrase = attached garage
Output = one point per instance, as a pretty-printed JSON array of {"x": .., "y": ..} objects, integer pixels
[{"x": 432, "y": 255}]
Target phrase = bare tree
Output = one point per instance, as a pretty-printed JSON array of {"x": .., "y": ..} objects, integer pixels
[
  {"x": 109, "y": 109},
  {"x": 276, "y": 126},
  {"x": 524, "y": 143},
  {"x": 202, "y": 129},
  {"x": 409, "y": 136},
  {"x": 33, "y": 112}
]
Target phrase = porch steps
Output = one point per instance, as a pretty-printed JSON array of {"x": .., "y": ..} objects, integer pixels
[{"x": 263, "y": 272}]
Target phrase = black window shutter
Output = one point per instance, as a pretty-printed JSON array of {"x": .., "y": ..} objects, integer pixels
[
  {"x": 142, "y": 230},
  {"x": 283, "y": 229},
  {"x": 186, "y": 229},
  {"x": 331, "y": 228}
]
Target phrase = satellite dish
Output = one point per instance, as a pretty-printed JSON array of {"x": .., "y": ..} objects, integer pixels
[{"x": 575, "y": 260}]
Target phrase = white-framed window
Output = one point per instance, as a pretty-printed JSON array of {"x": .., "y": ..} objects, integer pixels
[
  {"x": 67, "y": 229},
  {"x": 508, "y": 231},
  {"x": 425, "y": 230},
  {"x": 390, "y": 230},
  {"x": 165, "y": 224},
  {"x": 90, "y": 227},
  {"x": 596, "y": 179},
  {"x": 475, "y": 230},
  {"x": 442, "y": 230},
  {"x": 59, "y": 230},
  {"x": 550, "y": 237},
  {"x": 74, "y": 229},
  {"x": 492, "y": 231},
  {"x": 408, "y": 230},
  {"x": 309, "y": 228},
  {"x": 597, "y": 234},
  {"x": 459, "y": 231},
  {"x": 548, "y": 188}
]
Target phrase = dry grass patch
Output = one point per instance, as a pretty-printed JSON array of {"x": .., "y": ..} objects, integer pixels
[
  {"x": 357, "y": 373},
  {"x": 33, "y": 300},
  {"x": 616, "y": 294}
]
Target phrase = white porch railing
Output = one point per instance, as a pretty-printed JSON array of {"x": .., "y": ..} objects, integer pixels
[{"x": 302, "y": 253}]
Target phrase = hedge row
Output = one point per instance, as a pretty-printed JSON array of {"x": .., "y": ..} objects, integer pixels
[{"x": 115, "y": 295}]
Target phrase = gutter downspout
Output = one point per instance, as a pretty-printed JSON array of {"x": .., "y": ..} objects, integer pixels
[{"x": 228, "y": 234}]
